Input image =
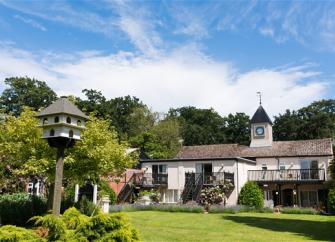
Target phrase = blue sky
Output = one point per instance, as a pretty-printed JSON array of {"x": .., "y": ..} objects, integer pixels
[{"x": 175, "y": 53}]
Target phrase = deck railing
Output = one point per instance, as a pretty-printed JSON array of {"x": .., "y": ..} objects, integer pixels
[
  {"x": 212, "y": 178},
  {"x": 287, "y": 175},
  {"x": 154, "y": 179}
]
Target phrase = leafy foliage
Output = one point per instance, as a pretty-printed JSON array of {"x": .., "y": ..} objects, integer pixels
[
  {"x": 106, "y": 190},
  {"x": 237, "y": 129},
  {"x": 74, "y": 226},
  {"x": 87, "y": 207},
  {"x": 24, "y": 91},
  {"x": 317, "y": 120},
  {"x": 199, "y": 126},
  {"x": 162, "y": 141},
  {"x": 98, "y": 154},
  {"x": 331, "y": 200},
  {"x": 22, "y": 151},
  {"x": 10, "y": 233},
  {"x": 54, "y": 224},
  {"x": 18, "y": 208},
  {"x": 251, "y": 195},
  {"x": 215, "y": 195}
]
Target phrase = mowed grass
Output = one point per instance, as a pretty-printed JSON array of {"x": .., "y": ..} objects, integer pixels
[{"x": 165, "y": 226}]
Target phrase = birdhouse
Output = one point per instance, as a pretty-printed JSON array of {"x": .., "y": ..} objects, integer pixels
[{"x": 62, "y": 120}]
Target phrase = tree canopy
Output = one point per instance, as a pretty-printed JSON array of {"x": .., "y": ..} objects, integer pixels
[
  {"x": 317, "y": 120},
  {"x": 24, "y": 91},
  {"x": 24, "y": 153}
]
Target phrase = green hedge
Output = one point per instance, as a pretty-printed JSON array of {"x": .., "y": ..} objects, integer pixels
[{"x": 18, "y": 208}]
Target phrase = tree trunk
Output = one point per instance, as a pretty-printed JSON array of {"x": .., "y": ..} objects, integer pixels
[
  {"x": 57, "y": 198},
  {"x": 50, "y": 196}
]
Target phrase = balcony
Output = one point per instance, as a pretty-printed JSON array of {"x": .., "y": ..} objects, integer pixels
[
  {"x": 211, "y": 178},
  {"x": 291, "y": 175},
  {"x": 153, "y": 180}
]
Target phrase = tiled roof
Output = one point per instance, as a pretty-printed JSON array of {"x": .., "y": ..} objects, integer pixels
[
  {"x": 62, "y": 105},
  {"x": 317, "y": 147},
  {"x": 260, "y": 116}
]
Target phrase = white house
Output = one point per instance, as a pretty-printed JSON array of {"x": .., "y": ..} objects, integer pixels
[{"x": 291, "y": 173}]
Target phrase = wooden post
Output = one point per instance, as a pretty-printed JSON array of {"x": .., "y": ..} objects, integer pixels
[{"x": 58, "y": 181}]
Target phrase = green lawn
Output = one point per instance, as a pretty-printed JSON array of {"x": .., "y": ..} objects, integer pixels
[{"x": 165, "y": 226}]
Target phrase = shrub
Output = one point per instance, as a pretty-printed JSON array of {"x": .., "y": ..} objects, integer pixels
[
  {"x": 108, "y": 227},
  {"x": 331, "y": 200},
  {"x": 86, "y": 207},
  {"x": 251, "y": 195},
  {"x": 10, "y": 233},
  {"x": 18, "y": 208},
  {"x": 106, "y": 190},
  {"x": 73, "y": 226},
  {"x": 289, "y": 210},
  {"x": 54, "y": 225},
  {"x": 73, "y": 218}
]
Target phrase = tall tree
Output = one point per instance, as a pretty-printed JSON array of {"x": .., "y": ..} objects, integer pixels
[
  {"x": 24, "y": 91},
  {"x": 317, "y": 120},
  {"x": 237, "y": 129},
  {"x": 199, "y": 126},
  {"x": 162, "y": 141}
]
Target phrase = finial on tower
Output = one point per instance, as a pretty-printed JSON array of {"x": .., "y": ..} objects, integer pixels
[{"x": 259, "y": 94}]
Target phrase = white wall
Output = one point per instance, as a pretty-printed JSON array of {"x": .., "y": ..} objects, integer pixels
[{"x": 176, "y": 174}]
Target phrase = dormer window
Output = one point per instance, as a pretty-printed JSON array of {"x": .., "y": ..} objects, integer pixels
[
  {"x": 68, "y": 120},
  {"x": 45, "y": 121},
  {"x": 56, "y": 119},
  {"x": 52, "y": 132},
  {"x": 79, "y": 123}
]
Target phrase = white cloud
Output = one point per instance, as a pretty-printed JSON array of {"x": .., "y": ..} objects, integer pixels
[
  {"x": 31, "y": 22},
  {"x": 184, "y": 77}
]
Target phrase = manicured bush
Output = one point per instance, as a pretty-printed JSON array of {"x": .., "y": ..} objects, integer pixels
[
  {"x": 18, "y": 208},
  {"x": 10, "y": 233},
  {"x": 331, "y": 200},
  {"x": 251, "y": 195},
  {"x": 289, "y": 210}
]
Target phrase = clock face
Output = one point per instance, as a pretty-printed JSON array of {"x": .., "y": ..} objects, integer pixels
[{"x": 259, "y": 131}]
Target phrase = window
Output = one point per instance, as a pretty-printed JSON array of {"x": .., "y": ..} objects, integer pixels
[
  {"x": 308, "y": 198},
  {"x": 45, "y": 121},
  {"x": 159, "y": 169},
  {"x": 281, "y": 166},
  {"x": 56, "y": 119},
  {"x": 79, "y": 122},
  {"x": 52, "y": 132},
  {"x": 68, "y": 120},
  {"x": 264, "y": 167},
  {"x": 71, "y": 133},
  {"x": 309, "y": 169}
]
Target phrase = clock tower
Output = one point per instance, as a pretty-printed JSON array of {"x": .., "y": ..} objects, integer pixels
[{"x": 261, "y": 129}]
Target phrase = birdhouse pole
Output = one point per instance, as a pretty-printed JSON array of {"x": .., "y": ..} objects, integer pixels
[{"x": 62, "y": 123}]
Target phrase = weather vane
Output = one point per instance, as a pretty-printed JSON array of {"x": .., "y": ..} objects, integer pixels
[{"x": 259, "y": 94}]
